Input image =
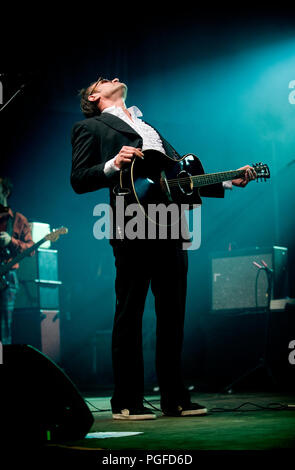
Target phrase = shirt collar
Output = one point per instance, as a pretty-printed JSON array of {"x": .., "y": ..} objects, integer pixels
[{"x": 117, "y": 111}]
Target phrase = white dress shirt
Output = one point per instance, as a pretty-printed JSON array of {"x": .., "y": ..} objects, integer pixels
[{"x": 151, "y": 139}]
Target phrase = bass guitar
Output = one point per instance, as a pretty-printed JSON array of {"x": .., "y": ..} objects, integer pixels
[{"x": 6, "y": 266}]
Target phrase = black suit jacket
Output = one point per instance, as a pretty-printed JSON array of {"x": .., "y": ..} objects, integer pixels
[{"x": 98, "y": 139}]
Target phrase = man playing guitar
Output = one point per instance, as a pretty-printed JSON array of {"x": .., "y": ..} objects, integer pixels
[
  {"x": 105, "y": 143},
  {"x": 15, "y": 237}
]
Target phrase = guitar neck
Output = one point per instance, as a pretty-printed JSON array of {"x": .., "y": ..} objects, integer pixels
[
  {"x": 21, "y": 255},
  {"x": 213, "y": 178}
]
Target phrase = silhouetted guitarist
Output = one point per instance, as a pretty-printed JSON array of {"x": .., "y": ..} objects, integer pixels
[{"x": 15, "y": 237}]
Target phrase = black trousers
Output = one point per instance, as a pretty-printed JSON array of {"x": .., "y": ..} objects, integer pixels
[{"x": 139, "y": 264}]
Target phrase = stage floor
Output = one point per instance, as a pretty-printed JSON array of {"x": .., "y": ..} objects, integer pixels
[
  {"x": 218, "y": 430},
  {"x": 253, "y": 429}
]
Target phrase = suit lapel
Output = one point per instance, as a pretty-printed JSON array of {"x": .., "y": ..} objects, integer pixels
[
  {"x": 117, "y": 124},
  {"x": 121, "y": 126}
]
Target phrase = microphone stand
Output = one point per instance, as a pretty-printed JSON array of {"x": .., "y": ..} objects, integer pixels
[
  {"x": 13, "y": 96},
  {"x": 263, "y": 361}
]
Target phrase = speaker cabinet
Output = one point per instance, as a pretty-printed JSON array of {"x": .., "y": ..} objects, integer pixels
[
  {"x": 38, "y": 281},
  {"x": 38, "y": 401},
  {"x": 234, "y": 278},
  {"x": 40, "y": 328},
  {"x": 36, "y": 317}
]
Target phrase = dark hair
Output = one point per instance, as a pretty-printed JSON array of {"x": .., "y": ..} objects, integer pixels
[
  {"x": 88, "y": 108},
  {"x": 7, "y": 185}
]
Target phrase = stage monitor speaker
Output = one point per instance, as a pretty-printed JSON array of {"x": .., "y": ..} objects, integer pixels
[
  {"x": 234, "y": 278},
  {"x": 38, "y": 400}
]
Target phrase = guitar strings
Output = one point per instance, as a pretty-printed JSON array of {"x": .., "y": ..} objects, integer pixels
[
  {"x": 202, "y": 177},
  {"x": 175, "y": 182},
  {"x": 207, "y": 180}
]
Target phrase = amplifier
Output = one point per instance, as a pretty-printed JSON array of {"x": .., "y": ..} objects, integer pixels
[
  {"x": 38, "y": 293},
  {"x": 39, "y": 328},
  {"x": 43, "y": 265},
  {"x": 39, "y": 230},
  {"x": 234, "y": 278},
  {"x": 38, "y": 281}
]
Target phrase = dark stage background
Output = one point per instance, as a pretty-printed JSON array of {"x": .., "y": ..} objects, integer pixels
[{"x": 216, "y": 85}]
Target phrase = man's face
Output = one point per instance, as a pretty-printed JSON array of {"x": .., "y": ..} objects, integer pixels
[{"x": 110, "y": 89}]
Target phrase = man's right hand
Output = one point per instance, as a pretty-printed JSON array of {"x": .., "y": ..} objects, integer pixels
[
  {"x": 125, "y": 156},
  {"x": 5, "y": 239}
]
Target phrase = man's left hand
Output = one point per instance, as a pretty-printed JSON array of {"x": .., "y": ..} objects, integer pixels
[
  {"x": 5, "y": 239},
  {"x": 250, "y": 175}
]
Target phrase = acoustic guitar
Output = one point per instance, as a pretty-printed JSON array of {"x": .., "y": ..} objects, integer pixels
[{"x": 157, "y": 178}]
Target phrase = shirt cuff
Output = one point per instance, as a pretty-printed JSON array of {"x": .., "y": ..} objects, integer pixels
[
  {"x": 110, "y": 167},
  {"x": 227, "y": 184}
]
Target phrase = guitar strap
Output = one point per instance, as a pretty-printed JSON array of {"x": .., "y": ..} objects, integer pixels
[{"x": 168, "y": 145}]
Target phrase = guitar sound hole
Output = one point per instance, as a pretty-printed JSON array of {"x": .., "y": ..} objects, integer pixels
[{"x": 185, "y": 183}]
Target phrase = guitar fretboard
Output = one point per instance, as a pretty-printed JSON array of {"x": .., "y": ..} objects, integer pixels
[
  {"x": 53, "y": 236},
  {"x": 7, "y": 266},
  {"x": 213, "y": 178}
]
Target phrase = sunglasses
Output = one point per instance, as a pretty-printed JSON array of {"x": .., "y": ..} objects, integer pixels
[{"x": 99, "y": 80}]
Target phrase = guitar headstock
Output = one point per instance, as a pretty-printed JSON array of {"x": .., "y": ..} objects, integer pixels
[
  {"x": 262, "y": 171},
  {"x": 55, "y": 234}
]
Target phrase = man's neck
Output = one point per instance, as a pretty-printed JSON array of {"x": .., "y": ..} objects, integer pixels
[{"x": 119, "y": 104}]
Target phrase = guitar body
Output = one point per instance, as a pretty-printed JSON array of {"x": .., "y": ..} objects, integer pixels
[
  {"x": 158, "y": 179},
  {"x": 6, "y": 266},
  {"x": 146, "y": 181}
]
